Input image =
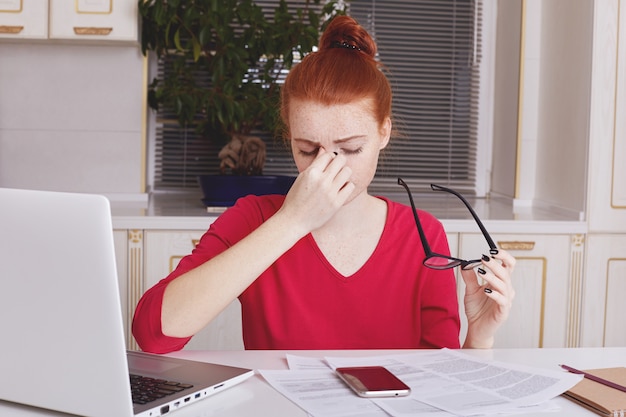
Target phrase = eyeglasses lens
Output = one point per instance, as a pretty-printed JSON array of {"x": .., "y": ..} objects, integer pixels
[{"x": 438, "y": 262}]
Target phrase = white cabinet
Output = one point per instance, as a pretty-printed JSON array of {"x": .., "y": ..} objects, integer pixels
[
  {"x": 94, "y": 19},
  {"x": 99, "y": 20},
  {"x": 605, "y": 261},
  {"x": 453, "y": 243},
  {"x": 604, "y": 291},
  {"x": 24, "y": 19},
  {"x": 606, "y": 183},
  {"x": 120, "y": 239},
  {"x": 163, "y": 251},
  {"x": 547, "y": 282}
]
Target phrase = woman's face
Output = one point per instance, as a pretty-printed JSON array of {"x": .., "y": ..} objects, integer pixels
[{"x": 348, "y": 129}]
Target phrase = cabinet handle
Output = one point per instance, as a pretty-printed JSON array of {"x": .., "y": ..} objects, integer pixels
[
  {"x": 92, "y": 31},
  {"x": 517, "y": 245},
  {"x": 11, "y": 29}
]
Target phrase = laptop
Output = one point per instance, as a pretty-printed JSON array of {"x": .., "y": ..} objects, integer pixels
[{"x": 62, "y": 337}]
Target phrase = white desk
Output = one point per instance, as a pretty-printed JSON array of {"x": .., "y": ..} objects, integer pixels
[{"x": 255, "y": 397}]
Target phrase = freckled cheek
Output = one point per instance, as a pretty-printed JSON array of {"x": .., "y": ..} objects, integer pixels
[
  {"x": 363, "y": 171},
  {"x": 302, "y": 163}
]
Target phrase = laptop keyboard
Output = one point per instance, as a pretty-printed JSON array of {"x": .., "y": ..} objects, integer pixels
[{"x": 145, "y": 389}]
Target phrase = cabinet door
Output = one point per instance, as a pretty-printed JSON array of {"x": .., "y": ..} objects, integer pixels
[
  {"x": 606, "y": 184},
  {"x": 605, "y": 291},
  {"x": 542, "y": 280},
  {"x": 94, "y": 19},
  {"x": 163, "y": 251},
  {"x": 120, "y": 239},
  {"x": 24, "y": 19}
]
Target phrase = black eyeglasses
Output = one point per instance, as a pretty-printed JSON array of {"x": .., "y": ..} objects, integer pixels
[{"x": 437, "y": 260}]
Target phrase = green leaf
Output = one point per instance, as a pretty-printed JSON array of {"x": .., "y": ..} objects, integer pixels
[
  {"x": 177, "y": 40},
  {"x": 204, "y": 36},
  {"x": 197, "y": 50}
]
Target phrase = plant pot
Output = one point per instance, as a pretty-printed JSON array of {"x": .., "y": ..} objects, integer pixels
[{"x": 224, "y": 190}]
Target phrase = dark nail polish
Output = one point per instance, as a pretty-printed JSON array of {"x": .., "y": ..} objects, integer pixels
[
  {"x": 488, "y": 290},
  {"x": 481, "y": 271},
  {"x": 494, "y": 251},
  {"x": 486, "y": 258}
]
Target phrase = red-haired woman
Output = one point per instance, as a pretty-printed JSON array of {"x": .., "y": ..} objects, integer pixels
[{"x": 328, "y": 266}]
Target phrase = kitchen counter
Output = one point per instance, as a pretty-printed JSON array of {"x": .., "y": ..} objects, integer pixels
[{"x": 187, "y": 212}]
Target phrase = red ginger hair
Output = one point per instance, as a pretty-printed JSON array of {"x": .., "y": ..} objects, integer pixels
[{"x": 344, "y": 69}]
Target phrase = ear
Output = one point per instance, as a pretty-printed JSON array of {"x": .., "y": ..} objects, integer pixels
[{"x": 385, "y": 133}]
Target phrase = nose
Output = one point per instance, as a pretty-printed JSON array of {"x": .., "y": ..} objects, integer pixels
[{"x": 335, "y": 152}]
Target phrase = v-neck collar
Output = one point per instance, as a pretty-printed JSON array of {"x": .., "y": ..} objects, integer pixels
[{"x": 370, "y": 259}]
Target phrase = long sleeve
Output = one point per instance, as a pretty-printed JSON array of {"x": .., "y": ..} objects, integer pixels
[
  {"x": 232, "y": 226},
  {"x": 147, "y": 323}
]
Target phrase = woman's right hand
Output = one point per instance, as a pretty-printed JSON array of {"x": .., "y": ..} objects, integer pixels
[{"x": 319, "y": 191}]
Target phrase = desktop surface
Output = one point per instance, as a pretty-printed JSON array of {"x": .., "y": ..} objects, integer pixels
[{"x": 256, "y": 397}]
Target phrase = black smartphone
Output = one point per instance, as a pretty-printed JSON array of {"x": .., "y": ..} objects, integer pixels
[{"x": 373, "y": 381}]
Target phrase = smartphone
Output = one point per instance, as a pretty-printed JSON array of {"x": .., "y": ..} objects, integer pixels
[{"x": 373, "y": 381}]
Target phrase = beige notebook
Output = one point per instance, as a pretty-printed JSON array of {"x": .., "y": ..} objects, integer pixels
[{"x": 601, "y": 398}]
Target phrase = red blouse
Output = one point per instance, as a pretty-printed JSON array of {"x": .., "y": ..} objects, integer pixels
[{"x": 302, "y": 302}]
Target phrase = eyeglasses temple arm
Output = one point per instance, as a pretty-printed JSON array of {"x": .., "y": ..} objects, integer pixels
[
  {"x": 425, "y": 244},
  {"x": 492, "y": 245}
]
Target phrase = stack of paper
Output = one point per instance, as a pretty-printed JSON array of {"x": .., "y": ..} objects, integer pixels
[{"x": 443, "y": 383}]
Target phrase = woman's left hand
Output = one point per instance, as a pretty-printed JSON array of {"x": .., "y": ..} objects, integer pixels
[{"x": 488, "y": 303}]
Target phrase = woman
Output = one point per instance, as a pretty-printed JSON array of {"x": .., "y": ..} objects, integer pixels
[{"x": 327, "y": 266}]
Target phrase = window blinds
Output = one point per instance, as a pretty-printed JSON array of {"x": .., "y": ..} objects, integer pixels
[{"x": 431, "y": 49}]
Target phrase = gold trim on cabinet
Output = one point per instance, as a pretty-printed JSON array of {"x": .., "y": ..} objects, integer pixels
[
  {"x": 108, "y": 11},
  {"x": 92, "y": 31},
  {"x": 544, "y": 278},
  {"x": 135, "y": 280},
  {"x": 578, "y": 240},
  {"x": 520, "y": 101},
  {"x": 516, "y": 245},
  {"x": 144, "y": 124},
  {"x": 606, "y": 295},
  {"x": 615, "y": 101},
  {"x": 11, "y": 29},
  {"x": 174, "y": 261},
  {"x": 135, "y": 236},
  {"x": 575, "y": 291},
  {"x": 18, "y": 10}
]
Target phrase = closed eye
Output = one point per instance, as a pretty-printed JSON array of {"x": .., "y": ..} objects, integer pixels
[
  {"x": 344, "y": 151},
  {"x": 352, "y": 151},
  {"x": 309, "y": 153}
]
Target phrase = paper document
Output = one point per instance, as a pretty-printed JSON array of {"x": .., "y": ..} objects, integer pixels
[
  {"x": 443, "y": 383},
  {"x": 321, "y": 393}
]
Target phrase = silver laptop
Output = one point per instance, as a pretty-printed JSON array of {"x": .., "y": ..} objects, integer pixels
[{"x": 61, "y": 320}]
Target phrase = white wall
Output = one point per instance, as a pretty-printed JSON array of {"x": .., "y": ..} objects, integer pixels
[
  {"x": 506, "y": 99},
  {"x": 555, "y": 104},
  {"x": 71, "y": 117},
  {"x": 564, "y": 103}
]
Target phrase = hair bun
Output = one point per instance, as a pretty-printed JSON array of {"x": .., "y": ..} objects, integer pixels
[{"x": 346, "y": 32}]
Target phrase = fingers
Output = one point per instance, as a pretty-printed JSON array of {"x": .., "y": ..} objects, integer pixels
[
  {"x": 507, "y": 261},
  {"x": 489, "y": 297},
  {"x": 470, "y": 279},
  {"x": 497, "y": 274},
  {"x": 319, "y": 191},
  {"x": 331, "y": 169}
]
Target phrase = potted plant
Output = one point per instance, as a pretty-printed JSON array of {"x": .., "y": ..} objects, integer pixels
[{"x": 228, "y": 59}]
